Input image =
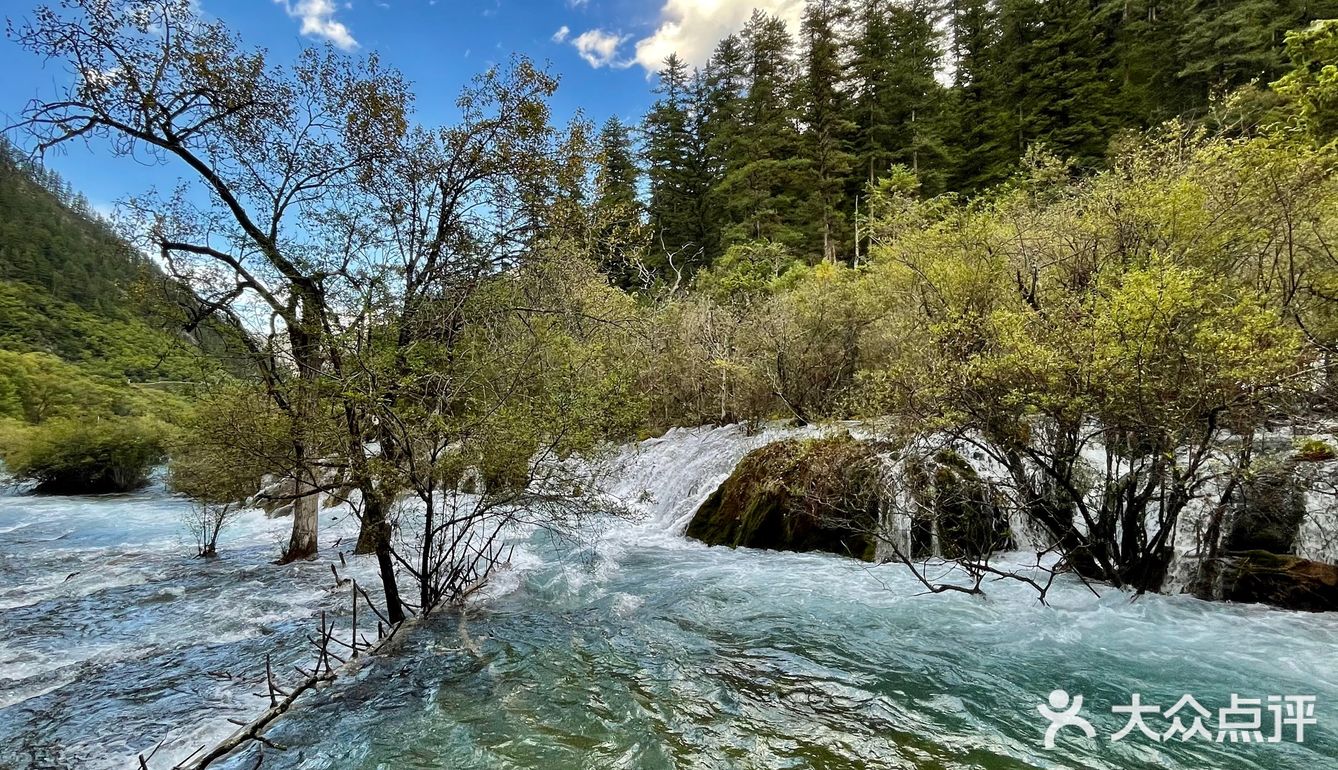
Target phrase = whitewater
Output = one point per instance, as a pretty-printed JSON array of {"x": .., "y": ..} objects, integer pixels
[{"x": 623, "y": 646}]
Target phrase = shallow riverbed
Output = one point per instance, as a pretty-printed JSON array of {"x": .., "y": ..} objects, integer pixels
[{"x": 629, "y": 648}]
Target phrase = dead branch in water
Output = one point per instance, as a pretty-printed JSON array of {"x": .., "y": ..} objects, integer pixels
[{"x": 281, "y": 700}]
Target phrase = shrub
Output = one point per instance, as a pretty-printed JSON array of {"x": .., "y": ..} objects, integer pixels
[
  {"x": 229, "y": 439},
  {"x": 83, "y": 457},
  {"x": 1314, "y": 450}
]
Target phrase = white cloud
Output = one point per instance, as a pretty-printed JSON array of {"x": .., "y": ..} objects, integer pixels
[
  {"x": 691, "y": 28},
  {"x": 561, "y": 35},
  {"x": 318, "y": 20},
  {"x": 600, "y": 48}
]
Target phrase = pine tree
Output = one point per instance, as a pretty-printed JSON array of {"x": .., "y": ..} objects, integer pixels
[
  {"x": 725, "y": 82},
  {"x": 617, "y": 175},
  {"x": 1055, "y": 58},
  {"x": 1147, "y": 86},
  {"x": 720, "y": 103},
  {"x": 1070, "y": 95},
  {"x": 824, "y": 108},
  {"x": 617, "y": 208},
  {"x": 763, "y": 195},
  {"x": 983, "y": 148},
  {"x": 1228, "y": 43},
  {"x": 899, "y": 102},
  {"x": 667, "y": 153}
]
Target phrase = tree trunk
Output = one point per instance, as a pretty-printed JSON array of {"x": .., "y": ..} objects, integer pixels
[
  {"x": 303, "y": 543},
  {"x": 375, "y": 538},
  {"x": 304, "y": 337},
  {"x": 373, "y": 519}
]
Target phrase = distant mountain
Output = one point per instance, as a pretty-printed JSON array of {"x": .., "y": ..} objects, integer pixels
[{"x": 71, "y": 287}]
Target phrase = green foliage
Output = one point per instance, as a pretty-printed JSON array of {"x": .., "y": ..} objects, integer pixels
[
  {"x": 226, "y": 441},
  {"x": 1312, "y": 82},
  {"x": 111, "y": 345},
  {"x": 778, "y": 140},
  {"x": 35, "y": 387},
  {"x": 82, "y": 456},
  {"x": 51, "y": 239},
  {"x": 747, "y": 271},
  {"x": 1315, "y": 450}
]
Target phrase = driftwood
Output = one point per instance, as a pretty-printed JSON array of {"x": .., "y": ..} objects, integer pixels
[{"x": 281, "y": 700}]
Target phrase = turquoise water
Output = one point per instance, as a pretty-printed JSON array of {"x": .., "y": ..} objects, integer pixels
[
  {"x": 665, "y": 654},
  {"x": 625, "y": 647}
]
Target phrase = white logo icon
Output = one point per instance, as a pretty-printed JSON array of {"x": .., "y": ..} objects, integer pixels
[{"x": 1064, "y": 713}]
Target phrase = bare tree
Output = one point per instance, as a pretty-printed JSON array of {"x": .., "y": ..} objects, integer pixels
[{"x": 273, "y": 152}]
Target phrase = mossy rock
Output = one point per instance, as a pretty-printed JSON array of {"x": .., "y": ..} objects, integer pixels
[
  {"x": 1314, "y": 450},
  {"x": 818, "y": 494},
  {"x": 1283, "y": 581},
  {"x": 969, "y": 515},
  {"x": 1268, "y": 512}
]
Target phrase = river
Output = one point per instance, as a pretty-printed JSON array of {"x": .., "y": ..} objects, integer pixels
[{"x": 628, "y": 647}]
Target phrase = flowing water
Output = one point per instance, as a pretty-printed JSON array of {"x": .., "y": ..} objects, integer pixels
[{"x": 629, "y": 648}]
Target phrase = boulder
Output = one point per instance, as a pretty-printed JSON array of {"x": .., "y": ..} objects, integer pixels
[
  {"x": 1268, "y": 512},
  {"x": 967, "y": 514},
  {"x": 1283, "y": 581},
  {"x": 276, "y": 495},
  {"x": 820, "y": 494}
]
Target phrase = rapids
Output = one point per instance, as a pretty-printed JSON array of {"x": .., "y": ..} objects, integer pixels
[{"x": 625, "y": 647}]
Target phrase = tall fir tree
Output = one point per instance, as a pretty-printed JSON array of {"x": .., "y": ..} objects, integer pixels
[
  {"x": 617, "y": 205},
  {"x": 763, "y": 196},
  {"x": 982, "y": 148},
  {"x": 1228, "y": 43},
  {"x": 896, "y": 55},
  {"x": 722, "y": 86},
  {"x": 1147, "y": 86},
  {"x": 1069, "y": 99},
  {"x": 824, "y": 109},
  {"x": 668, "y": 150},
  {"x": 617, "y": 174}
]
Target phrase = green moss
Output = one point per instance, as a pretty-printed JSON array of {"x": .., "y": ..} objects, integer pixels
[
  {"x": 1314, "y": 450},
  {"x": 798, "y": 495},
  {"x": 952, "y": 499}
]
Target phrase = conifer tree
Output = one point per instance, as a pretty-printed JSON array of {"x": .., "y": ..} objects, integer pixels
[
  {"x": 668, "y": 149},
  {"x": 899, "y": 102},
  {"x": 617, "y": 208},
  {"x": 1228, "y": 43},
  {"x": 1147, "y": 85},
  {"x": 1068, "y": 94},
  {"x": 763, "y": 196},
  {"x": 982, "y": 151},
  {"x": 824, "y": 109}
]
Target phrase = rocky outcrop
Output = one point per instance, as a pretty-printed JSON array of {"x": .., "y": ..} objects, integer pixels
[
  {"x": 1269, "y": 510},
  {"x": 276, "y": 496},
  {"x": 1289, "y": 582},
  {"x": 955, "y": 504},
  {"x": 820, "y": 494}
]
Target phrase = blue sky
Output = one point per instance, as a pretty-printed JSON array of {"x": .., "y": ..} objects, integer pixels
[{"x": 602, "y": 49}]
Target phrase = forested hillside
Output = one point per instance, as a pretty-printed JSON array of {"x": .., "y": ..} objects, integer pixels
[
  {"x": 778, "y": 136},
  {"x": 90, "y": 370},
  {"x": 72, "y": 288}
]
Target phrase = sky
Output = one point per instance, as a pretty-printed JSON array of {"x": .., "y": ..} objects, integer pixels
[{"x": 605, "y": 52}]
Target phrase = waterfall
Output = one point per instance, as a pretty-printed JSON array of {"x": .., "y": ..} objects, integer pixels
[{"x": 666, "y": 479}]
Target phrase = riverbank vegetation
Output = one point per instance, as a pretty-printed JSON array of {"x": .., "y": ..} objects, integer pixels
[
  {"x": 94, "y": 371},
  {"x": 436, "y": 318}
]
